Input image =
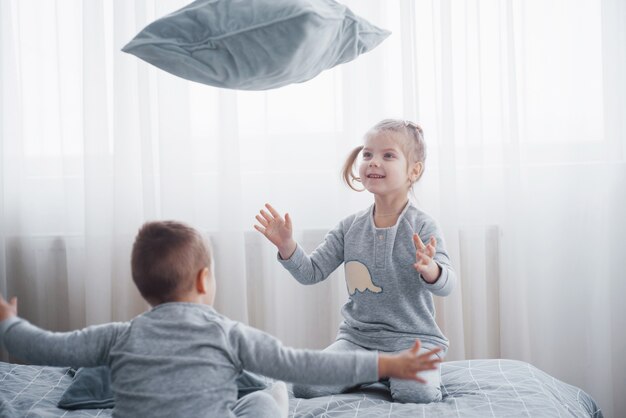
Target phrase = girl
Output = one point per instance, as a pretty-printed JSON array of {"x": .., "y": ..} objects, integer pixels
[{"x": 390, "y": 273}]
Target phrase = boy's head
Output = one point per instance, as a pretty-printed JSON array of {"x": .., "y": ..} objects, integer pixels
[{"x": 168, "y": 259}]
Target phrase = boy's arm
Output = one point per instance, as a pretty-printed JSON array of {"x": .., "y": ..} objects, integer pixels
[
  {"x": 87, "y": 347},
  {"x": 262, "y": 353}
]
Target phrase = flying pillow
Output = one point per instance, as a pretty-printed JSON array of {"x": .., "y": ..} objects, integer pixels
[{"x": 255, "y": 44}]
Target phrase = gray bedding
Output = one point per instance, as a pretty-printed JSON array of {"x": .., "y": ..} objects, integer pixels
[{"x": 471, "y": 388}]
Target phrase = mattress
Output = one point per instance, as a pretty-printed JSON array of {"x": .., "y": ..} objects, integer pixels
[{"x": 471, "y": 388}]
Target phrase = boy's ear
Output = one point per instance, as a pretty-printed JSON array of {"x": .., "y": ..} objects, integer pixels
[
  {"x": 416, "y": 171},
  {"x": 202, "y": 281}
]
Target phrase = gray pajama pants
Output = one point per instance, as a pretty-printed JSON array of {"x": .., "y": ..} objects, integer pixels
[{"x": 404, "y": 391}]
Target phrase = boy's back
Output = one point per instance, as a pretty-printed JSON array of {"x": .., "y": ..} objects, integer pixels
[{"x": 175, "y": 360}]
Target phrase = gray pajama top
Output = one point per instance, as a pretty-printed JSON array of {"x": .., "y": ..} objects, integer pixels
[
  {"x": 389, "y": 305},
  {"x": 182, "y": 359}
]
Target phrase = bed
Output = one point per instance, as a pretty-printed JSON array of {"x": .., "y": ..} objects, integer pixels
[{"x": 471, "y": 388}]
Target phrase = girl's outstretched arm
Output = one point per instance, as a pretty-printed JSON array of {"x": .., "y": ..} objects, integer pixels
[{"x": 307, "y": 269}]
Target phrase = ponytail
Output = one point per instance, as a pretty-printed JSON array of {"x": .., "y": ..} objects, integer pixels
[{"x": 348, "y": 173}]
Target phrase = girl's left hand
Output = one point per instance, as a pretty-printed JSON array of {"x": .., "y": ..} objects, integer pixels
[{"x": 424, "y": 263}]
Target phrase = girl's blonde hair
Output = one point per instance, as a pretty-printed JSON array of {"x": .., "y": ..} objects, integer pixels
[{"x": 412, "y": 144}]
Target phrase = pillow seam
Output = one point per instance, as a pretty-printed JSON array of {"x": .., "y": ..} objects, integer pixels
[{"x": 138, "y": 43}]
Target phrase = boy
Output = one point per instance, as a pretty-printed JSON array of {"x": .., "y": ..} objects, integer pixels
[{"x": 181, "y": 358}]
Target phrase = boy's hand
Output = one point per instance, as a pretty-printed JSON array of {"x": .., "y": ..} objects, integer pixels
[
  {"x": 407, "y": 364},
  {"x": 277, "y": 230},
  {"x": 424, "y": 263},
  {"x": 7, "y": 309}
]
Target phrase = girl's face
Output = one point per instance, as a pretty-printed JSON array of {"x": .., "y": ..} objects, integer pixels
[{"x": 384, "y": 169}]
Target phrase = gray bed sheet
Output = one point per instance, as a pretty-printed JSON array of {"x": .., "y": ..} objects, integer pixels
[{"x": 471, "y": 388}]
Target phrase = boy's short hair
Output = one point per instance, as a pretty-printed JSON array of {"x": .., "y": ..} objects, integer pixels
[{"x": 166, "y": 259}]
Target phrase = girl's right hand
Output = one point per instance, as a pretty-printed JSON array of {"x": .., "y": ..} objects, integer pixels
[{"x": 277, "y": 230}]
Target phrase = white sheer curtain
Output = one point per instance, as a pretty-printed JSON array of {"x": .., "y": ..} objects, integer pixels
[{"x": 522, "y": 103}]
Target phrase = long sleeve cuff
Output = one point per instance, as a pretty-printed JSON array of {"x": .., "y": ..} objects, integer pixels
[
  {"x": 6, "y": 324},
  {"x": 366, "y": 366},
  {"x": 295, "y": 261},
  {"x": 442, "y": 287}
]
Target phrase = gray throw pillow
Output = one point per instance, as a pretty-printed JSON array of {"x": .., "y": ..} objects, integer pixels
[
  {"x": 255, "y": 44},
  {"x": 90, "y": 389}
]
